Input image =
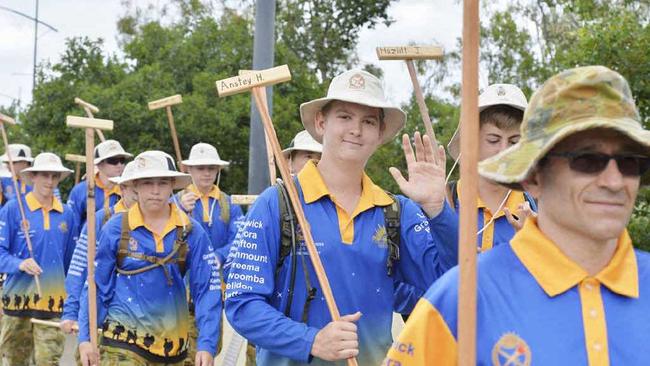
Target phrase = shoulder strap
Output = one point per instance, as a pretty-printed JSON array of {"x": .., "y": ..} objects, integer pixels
[
  {"x": 224, "y": 204},
  {"x": 392, "y": 224},
  {"x": 452, "y": 194},
  {"x": 123, "y": 247},
  {"x": 180, "y": 245},
  {"x": 107, "y": 215}
]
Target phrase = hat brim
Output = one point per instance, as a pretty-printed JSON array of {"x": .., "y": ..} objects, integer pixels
[
  {"x": 181, "y": 180},
  {"x": 4, "y": 159},
  {"x": 394, "y": 118},
  {"x": 197, "y": 162},
  {"x": 120, "y": 154},
  {"x": 286, "y": 152},
  {"x": 27, "y": 177},
  {"x": 513, "y": 165}
]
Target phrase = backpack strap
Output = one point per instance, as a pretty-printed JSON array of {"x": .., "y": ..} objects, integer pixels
[
  {"x": 107, "y": 215},
  {"x": 452, "y": 194},
  {"x": 178, "y": 254},
  {"x": 392, "y": 224},
  {"x": 224, "y": 204},
  {"x": 287, "y": 240}
]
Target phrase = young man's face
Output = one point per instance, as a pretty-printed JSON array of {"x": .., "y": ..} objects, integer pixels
[
  {"x": 19, "y": 165},
  {"x": 493, "y": 140},
  {"x": 350, "y": 131},
  {"x": 300, "y": 157},
  {"x": 44, "y": 183},
  {"x": 204, "y": 175},
  {"x": 592, "y": 205},
  {"x": 153, "y": 193},
  {"x": 112, "y": 167}
]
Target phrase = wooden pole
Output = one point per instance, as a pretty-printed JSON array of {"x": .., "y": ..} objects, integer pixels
[
  {"x": 469, "y": 189},
  {"x": 177, "y": 146},
  {"x": 424, "y": 111},
  {"x": 89, "y": 108},
  {"x": 90, "y": 125},
  {"x": 14, "y": 177},
  {"x": 77, "y": 172},
  {"x": 167, "y": 103},
  {"x": 300, "y": 215}
]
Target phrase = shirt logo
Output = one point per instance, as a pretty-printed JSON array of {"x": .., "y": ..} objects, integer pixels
[
  {"x": 63, "y": 227},
  {"x": 133, "y": 244},
  {"x": 511, "y": 350},
  {"x": 357, "y": 82},
  {"x": 380, "y": 237}
]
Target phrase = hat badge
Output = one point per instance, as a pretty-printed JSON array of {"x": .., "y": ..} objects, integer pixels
[
  {"x": 141, "y": 163},
  {"x": 357, "y": 81},
  {"x": 501, "y": 91}
]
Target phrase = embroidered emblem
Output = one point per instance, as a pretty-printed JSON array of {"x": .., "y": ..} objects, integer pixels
[
  {"x": 357, "y": 82},
  {"x": 511, "y": 350},
  {"x": 63, "y": 227},
  {"x": 133, "y": 244},
  {"x": 501, "y": 91},
  {"x": 141, "y": 163},
  {"x": 380, "y": 237},
  {"x": 10, "y": 190}
]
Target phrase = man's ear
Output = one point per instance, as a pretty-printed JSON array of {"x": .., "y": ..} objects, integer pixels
[
  {"x": 319, "y": 123},
  {"x": 532, "y": 183}
]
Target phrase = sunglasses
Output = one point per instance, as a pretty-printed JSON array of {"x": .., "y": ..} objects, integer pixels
[
  {"x": 629, "y": 165},
  {"x": 115, "y": 161}
]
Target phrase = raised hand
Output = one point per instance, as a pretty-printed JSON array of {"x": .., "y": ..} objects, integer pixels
[
  {"x": 426, "y": 174},
  {"x": 518, "y": 219}
]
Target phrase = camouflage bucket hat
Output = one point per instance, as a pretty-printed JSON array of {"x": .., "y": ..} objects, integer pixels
[{"x": 575, "y": 100}]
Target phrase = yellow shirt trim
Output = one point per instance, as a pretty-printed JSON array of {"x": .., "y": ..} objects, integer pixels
[
  {"x": 556, "y": 273},
  {"x": 314, "y": 188},
  {"x": 205, "y": 199},
  {"x": 176, "y": 219},
  {"x": 514, "y": 200},
  {"x": 120, "y": 206},
  {"x": 33, "y": 204},
  {"x": 107, "y": 192}
]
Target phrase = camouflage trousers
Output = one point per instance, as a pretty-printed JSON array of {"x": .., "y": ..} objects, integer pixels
[
  {"x": 192, "y": 337},
  {"x": 20, "y": 339},
  {"x": 113, "y": 356}
]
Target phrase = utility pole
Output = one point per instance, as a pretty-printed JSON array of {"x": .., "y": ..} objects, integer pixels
[
  {"x": 263, "y": 49},
  {"x": 35, "y": 48}
]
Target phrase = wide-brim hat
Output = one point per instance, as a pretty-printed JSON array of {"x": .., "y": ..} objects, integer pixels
[
  {"x": 204, "y": 154},
  {"x": 573, "y": 101},
  {"x": 109, "y": 149},
  {"x": 19, "y": 152},
  {"x": 302, "y": 142},
  {"x": 360, "y": 87},
  {"x": 128, "y": 171},
  {"x": 45, "y": 162},
  {"x": 495, "y": 94},
  {"x": 157, "y": 164}
]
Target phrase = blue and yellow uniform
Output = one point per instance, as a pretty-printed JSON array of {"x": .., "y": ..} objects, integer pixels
[
  {"x": 52, "y": 236},
  {"x": 8, "y": 190},
  {"x": 143, "y": 312},
  {"x": 354, "y": 251},
  {"x": 78, "y": 270},
  {"x": 209, "y": 212},
  {"x": 105, "y": 198},
  {"x": 497, "y": 232},
  {"x": 536, "y": 306}
]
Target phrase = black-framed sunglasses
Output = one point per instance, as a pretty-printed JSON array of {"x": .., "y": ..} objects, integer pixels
[
  {"x": 630, "y": 165},
  {"x": 116, "y": 160}
]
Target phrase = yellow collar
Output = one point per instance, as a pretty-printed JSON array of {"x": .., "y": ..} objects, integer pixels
[
  {"x": 214, "y": 192},
  {"x": 514, "y": 200},
  {"x": 120, "y": 206},
  {"x": 114, "y": 190},
  {"x": 33, "y": 204},
  {"x": 556, "y": 273},
  {"x": 314, "y": 188},
  {"x": 176, "y": 218}
]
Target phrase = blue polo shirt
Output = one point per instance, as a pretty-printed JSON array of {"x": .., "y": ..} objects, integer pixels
[
  {"x": 142, "y": 312},
  {"x": 536, "y": 306},
  {"x": 51, "y": 232},
  {"x": 207, "y": 211},
  {"x": 78, "y": 271},
  {"x": 8, "y": 190},
  {"x": 105, "y": 198},
  {"x": 354, "y": 252}
]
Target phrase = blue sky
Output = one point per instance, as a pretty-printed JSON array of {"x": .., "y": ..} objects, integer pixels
[{"x": 419, "y": 21}]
